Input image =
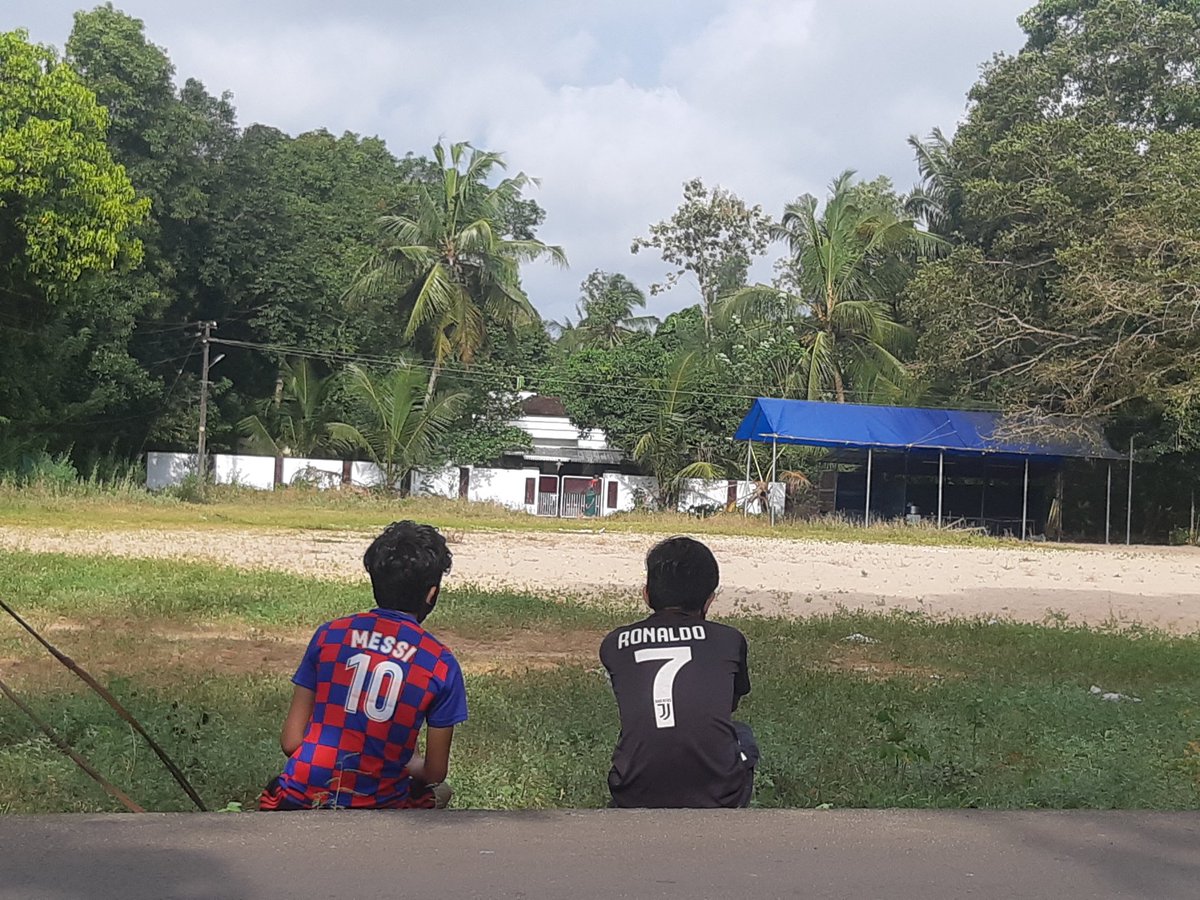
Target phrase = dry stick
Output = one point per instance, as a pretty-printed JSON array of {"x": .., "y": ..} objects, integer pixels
[
  {"x": 114, "y": 703},
  {"x": 66, "y": 748}
]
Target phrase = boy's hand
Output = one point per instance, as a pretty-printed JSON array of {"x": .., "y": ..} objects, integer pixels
[{"x": 416, "y": 769}]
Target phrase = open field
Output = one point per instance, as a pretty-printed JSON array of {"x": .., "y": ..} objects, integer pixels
[
  {"x": 1031, "y": 583},
  {"x": 975, "y": 689},
  {"x": 935, "y": 713}
]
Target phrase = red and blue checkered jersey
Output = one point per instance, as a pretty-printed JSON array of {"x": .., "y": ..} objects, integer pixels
[{"x": 377, "y": 676}]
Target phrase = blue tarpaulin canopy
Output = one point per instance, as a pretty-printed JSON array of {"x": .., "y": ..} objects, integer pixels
[{"x": 922, "y": 431}]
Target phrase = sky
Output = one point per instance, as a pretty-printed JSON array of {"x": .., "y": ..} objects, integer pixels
[{"x": 612, "y": 105}]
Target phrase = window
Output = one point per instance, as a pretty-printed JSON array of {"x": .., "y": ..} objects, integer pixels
[
  {"x": 530, "y": 491},
  {"x": 612, "y": 495}
]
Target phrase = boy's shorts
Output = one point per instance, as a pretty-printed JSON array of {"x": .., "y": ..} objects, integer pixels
[{"x": 273, "y": 799}]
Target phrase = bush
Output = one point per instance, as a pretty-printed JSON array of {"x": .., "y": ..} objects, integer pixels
[
  {"x": 192, "y": 489},
  {"x": 57, "y": 474}
]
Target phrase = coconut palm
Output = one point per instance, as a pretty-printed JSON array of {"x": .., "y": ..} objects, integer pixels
[
  {"x": 933, "y": 202},
  {"x": 448, "y": 253},
  {"x": 844, "y": 268},
  {"x": 664, "y": 449},
  {"x": 606, "y": 313},
  {"x": 400, "y": 426},
  {"x": 302, "y": 418}
]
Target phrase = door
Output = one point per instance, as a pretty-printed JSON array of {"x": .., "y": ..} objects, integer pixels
[
  {"x": 580, "y": 496},
  {"x": 547, "y": 500},
  {"x": 610, "y": 501}
]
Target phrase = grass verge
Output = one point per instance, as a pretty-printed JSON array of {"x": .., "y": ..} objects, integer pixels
[
  {"x": 310, "y": 509},
  {"x": 931, "y": 714}
]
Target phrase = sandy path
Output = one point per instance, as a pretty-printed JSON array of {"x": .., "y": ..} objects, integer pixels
[{"x": 1154, "y": 586}]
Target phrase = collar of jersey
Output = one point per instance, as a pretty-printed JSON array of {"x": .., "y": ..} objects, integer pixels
[{"x": 395, "y": 614}]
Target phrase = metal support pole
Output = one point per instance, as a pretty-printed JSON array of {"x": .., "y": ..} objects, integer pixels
[
  {"x": 202, "y": 440},
  {"x": 774, "y": 457},
  {"x": 983, "y": 495},
  {"x": 1025, "y": 500},
  {"x": 1129, "y": 500},
  {"x": 1108, "y": 507},
  {"x": 746, "y": 505},
  {"x": 867, "y": 511},
  {"x": 941, "y": 470}
]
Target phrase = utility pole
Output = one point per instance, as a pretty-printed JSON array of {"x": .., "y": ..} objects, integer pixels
[
  {"x": 201, "y": 457},
  {"x": 1129, "y": 499}
]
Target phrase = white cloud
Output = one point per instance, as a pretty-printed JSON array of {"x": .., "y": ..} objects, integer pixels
[{"x": 612, "y": 105}]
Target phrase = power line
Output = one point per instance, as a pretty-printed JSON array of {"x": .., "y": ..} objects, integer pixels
[
  {"x": 490, "y": 379},
  {"x": 166, "y": 401}
]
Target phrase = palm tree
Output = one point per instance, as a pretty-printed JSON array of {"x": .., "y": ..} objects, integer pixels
[
  {"x": 844, "y": 268},
  {"x": 302, "y": 416},
  {"x": 448, "y": 252},
  {"x": 935, "y": 200},
  {"x": 605, "y": 311},
  {"x": 664, "y": 450},
  {"x": 401, "y": 426}
]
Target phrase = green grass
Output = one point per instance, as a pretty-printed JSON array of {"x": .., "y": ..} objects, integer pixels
[
  {"x": 310, "y": 509},
  {"x": 936, "y": 714},
  {"x": 51, "y": 584}
]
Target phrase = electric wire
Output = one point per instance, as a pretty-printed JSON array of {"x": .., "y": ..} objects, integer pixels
[{"x": 467, "y": 373}]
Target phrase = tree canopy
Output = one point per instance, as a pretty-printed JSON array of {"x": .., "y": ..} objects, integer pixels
[
  {"x": 372, "y": 301},
  {"x": 68, "y": 214}
]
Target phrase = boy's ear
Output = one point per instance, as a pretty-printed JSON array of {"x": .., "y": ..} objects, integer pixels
[
  {"x": 431, "y": 597},
  {"x": 707, "y": 603},
  {"x": 646, "y": 595}
]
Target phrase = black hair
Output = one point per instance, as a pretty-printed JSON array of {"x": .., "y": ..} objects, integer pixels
[
  {"x": 404, "y": 563},
  {"x": 681, "y": 573}
]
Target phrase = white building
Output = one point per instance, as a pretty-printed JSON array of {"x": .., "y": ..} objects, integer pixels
[
  {"x": 566, "y": 473},
  {"x": 569, "y": 472}
]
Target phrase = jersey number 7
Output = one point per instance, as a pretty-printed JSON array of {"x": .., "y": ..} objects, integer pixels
[{"x": 674, "y": 659}]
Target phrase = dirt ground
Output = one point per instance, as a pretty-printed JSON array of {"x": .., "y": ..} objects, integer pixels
[
  {"x": 1096, "y": 585},
  {"x": 112, "y": 647}
]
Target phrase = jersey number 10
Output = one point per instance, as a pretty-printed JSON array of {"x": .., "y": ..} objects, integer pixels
[
  {"x": 674, "y": 659},
  {"x": 379, "y": 706}
]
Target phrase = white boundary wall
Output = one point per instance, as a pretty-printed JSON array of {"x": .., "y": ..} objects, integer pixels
[
  {"x": 325, "y": 473},
  {"x": 251, "y": 471},
  {"x": 438, "y": 483},
  {"x": 167, "y": 469},
  {"x": 505, "y": 487},
  {"x": 628, "y": 489},
  {"x": 365, "y": 474}
]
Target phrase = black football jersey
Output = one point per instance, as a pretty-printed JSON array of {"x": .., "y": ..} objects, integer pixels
[{"x": 677, "y": 679}]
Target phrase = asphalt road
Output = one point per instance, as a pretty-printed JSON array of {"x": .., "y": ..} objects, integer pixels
[{"x": 928, "y": 855}]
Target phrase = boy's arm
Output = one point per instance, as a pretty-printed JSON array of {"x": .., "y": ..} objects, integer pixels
[
  {"x": 435, "y": 765},
  {"x": 449, "y": 708},
  {"x": 741, "y": 680},
  {"x": 298, "y": 716},
  {"x": 304, "y": 696}
]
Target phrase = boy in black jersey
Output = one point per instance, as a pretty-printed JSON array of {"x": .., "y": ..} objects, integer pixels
[{"x": 677, "y": 678}]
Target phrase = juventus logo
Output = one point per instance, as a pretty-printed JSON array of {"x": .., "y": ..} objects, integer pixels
[{"x": 666, "y": 712}]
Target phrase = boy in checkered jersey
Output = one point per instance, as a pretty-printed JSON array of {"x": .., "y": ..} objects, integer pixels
[{"x": 365, "y": 686}]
